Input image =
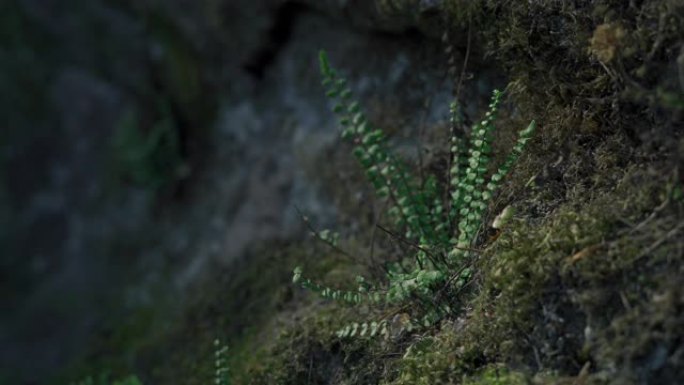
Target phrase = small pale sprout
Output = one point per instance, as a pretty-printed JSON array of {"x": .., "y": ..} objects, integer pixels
[
  {"x": 297, "y": 275},
  {"x": 504, "y": 217},
  {"x": 529, "y": 130}
]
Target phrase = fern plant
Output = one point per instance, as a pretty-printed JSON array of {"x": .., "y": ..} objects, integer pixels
[
  {"x": 441, "y": 227},
  {"x": 221, "y": 369}
]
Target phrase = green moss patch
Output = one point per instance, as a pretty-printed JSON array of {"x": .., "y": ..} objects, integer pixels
[{"x": 557, "y": 292}]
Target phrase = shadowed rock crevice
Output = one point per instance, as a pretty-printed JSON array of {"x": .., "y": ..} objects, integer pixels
[{"x": 275, "y": 39}]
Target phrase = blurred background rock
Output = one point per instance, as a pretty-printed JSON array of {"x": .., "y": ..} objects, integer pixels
[{"x": 145, "y": 142}]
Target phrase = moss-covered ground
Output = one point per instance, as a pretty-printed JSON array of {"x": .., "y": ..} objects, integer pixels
[{"x": 583, "y": 286}]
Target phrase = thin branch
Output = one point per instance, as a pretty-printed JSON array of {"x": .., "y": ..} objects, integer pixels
[
  {"x": 406, "y": 242},
  {"x": 316, "y": 234},
  {"x": 465, "y": 62},
  {"x": 458, "y": 273},
  {"x": 421, "y": 133},
  {"x": 660, "y": 241},
  {"x": 372, "y": 242}
]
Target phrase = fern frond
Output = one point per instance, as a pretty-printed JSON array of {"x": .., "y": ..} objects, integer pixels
[
  {"x": 470, "y": 205},
  {"x": 364, "y": 293},
  {"x": 364, "y": 329},
  {"x": 388, "y": 175},
  {"x": 221, "y": 370}
]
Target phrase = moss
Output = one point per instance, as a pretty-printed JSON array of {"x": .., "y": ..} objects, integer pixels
[
  {"x": 599, "y": 58},
  {"x": 307, "y": 351},
  {"x": 495, "y": 375},
  {"x": 644, "y": 344},
  {"x": 553, "y": 291},
  {"x": 297, "y": 344},
  {"x": 232, "y": 306},
  {"x": 432, "y": 359},
  {"x": 442, "y": 358},
  {"x": 272, "y": 329}
]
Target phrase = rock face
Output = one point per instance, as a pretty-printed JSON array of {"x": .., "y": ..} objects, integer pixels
[{"x": 236, "y": 84}]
